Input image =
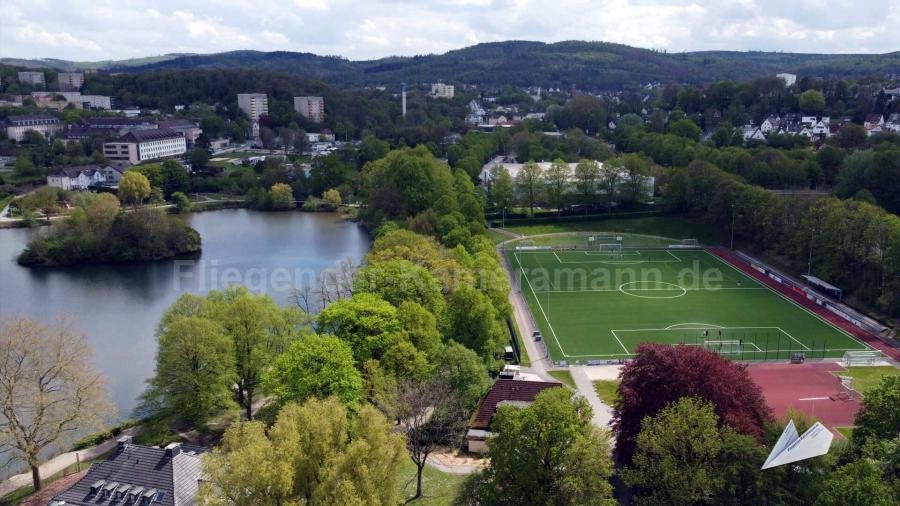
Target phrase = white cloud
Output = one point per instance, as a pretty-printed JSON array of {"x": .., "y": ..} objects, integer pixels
[{"x": 101, "y": 29}]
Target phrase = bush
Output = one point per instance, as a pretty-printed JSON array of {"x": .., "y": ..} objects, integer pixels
[{"x": 99, "y": 437}]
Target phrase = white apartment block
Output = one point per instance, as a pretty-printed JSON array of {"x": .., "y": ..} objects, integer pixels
[
  {"x": 311, "y": 108},
  {"x": 789, "y": 79},
  {"x": 142, "y": 145},
  {"x": 254, "y": 105},
  {"x": 32, "y": 78},
  {"x": 441, "y": 90},
  {"x": 70, "y": 81},
  {"x": 46, "y": 125}
]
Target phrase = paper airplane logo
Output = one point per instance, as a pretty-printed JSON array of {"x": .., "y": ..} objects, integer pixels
[{"x": 792, "y": 447}]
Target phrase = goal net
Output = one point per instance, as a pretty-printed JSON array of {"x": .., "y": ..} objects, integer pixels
[
  {"x": 724, "y": 347},
  {"x": 860, "y": 358},
  {"x": 610, "y": 248}
]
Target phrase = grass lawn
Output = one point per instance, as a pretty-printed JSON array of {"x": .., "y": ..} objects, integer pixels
[
  {"x": 847, "y": 432},
  {"x": 607, "y": 390},
  {"x": 438, "y": 489},
  {"x": 866, "y": 378},
  {"x": 20, "y": 494},
  {"x": 678, "y": 227},
  {"x": 595, "y": 305},
  {"x": 563, "y": 376},
  {"x": 497, "y": 237},
  {"x": 524, "y": 360}
]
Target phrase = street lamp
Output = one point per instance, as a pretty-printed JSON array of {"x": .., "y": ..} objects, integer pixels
[{"x": 732, "y": 227}]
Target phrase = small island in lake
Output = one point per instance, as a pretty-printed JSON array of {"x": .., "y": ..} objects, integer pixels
[{"x": 98, "y": 231}]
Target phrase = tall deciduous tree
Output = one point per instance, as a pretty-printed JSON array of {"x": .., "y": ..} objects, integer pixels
[
  {"x": 502, "y": 187},
  {"x": 661, "y": 374},
  {"x": 316, "y": 453},
  {"x": 528, "y": 182},
  {"x": 315, "y": 366},
  {"x": 194, "y": 368},
  {"x": 134, "y": 188},
  {"x": 49, "y": 393},
  {"x": 547, "y": 453},
  {"x": 587, "y": 174},
  {"x": 556, "y": 180},
  {"x": 879, "y": 415}
]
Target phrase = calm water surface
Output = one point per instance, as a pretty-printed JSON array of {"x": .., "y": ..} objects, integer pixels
[{"x": 118, "y": 306}]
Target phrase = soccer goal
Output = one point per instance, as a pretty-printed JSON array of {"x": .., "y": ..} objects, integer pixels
[
  {"x": 690, "y": 242},
  {"x": 868, "y": 357},
  {"x": 724, "y": 347},
  {"x": 846, "y": 390},
  {"x": 609, "y": 248}
]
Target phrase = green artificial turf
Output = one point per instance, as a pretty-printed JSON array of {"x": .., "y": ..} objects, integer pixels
[{"x": 599, "y": 305}]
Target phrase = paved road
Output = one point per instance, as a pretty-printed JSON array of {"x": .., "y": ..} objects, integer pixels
[
  {"x": 60, "y": 462},
  {"x": 540, "y": 362}
]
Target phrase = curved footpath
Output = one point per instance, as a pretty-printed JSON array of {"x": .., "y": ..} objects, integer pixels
[
  {"x": 60, "y": 462},
  {"x": 540, "y": 361}
]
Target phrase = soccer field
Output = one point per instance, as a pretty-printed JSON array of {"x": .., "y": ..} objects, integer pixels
[{"x": 599, "y": 305}]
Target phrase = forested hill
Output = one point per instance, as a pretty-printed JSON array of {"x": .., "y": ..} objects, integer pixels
[{"x": 587, "y": 65}]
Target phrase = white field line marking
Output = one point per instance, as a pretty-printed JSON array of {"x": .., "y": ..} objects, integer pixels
[
  {"x": 792, "y": 337},
  {"x": 706, "y": 325},
  {"x": 538, "y": 299},
  {"x": 865, "y": 347},
  {"x": 655, "y": 289},
  {"x": 619, "y": 340},
  {"x": 673, "y": 255},
  {"x": 753, "y": 352},
  {"x": 813, "y": 398}
]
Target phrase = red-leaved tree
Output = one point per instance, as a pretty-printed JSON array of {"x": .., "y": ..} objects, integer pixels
[{"x": 662, "y": 374}]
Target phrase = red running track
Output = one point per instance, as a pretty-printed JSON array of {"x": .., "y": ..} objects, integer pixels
[
  {"x": 810, "y": 388},
  {"x": 825, "y": 314}
]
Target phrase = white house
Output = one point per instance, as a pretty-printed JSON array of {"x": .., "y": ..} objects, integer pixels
[
  {"x": 83, "y": 177},
  {"x": 752, "y": 133},
  {"x": 770, "y": 124},
  {"x": 46, "y": 125},
  {"x": 789, "y": 79}
]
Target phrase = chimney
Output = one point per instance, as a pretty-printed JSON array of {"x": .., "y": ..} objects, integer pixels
[
  {"x": 125, "y": 440},
  {"x": 173, "y": 449}
]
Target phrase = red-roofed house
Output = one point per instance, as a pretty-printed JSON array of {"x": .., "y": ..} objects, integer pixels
[{"x": 504, "y": 391}]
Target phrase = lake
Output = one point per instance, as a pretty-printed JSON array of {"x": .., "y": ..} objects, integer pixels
[{"x": 118, "y": 306}]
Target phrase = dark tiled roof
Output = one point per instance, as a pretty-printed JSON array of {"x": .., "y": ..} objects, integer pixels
[
  {"x": 84, "y": 132},
  {"x": 142, "y": 466},
  {"x": 114, "y": 122},
  {"x": 177, "y": 123},
  {"x": 33, "y": 117},
  {"x": 149, "y": 135},
  {"x": 507, "y": 390},
  {"x": 75, "y": 170}
]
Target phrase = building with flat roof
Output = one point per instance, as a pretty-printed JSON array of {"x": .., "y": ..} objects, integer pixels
[
  {"x": 254, "y": 105},
  {"x": 185, "y": 127},
  {"x": 143, "y": 145},
  {"x": 311, "y": 108},
  {"x": 32, "y": 78},
  {"x": 70, "y": 81},
  {"x": 44, "y": 124},
  {"x": 441, "y": 90}
]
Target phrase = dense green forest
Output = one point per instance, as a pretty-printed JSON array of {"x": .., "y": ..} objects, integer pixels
[{"x": 587, "y": 65}]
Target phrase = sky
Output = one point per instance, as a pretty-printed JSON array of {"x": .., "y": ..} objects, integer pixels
[{"x": 90, "y": 30}]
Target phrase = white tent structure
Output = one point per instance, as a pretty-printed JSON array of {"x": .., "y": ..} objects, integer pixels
[{"x": 792, "y": 447}]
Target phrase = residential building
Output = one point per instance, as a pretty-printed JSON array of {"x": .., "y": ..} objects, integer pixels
[
  {"x": 752, "y": 133},
  {"x": 789, "y": 79},
  {"x": 254, "y": 105},
  {"x": 46, "y": 125},
  {"x": 441, "y": 90},
  {"x": 311, "y": 108},
  {"x": 516, "y": 392},
  {"x": 70, "y": 81},
  {"x": 190, "y": 130},
  {"x": 84, "y": 176},
  {"x": 32, "y": 78},
  {"x": 873, "y": 120},
  {"x": 476, "y": 113},
  {"x": 770, "y": 124},
  {"x": 137, "y": 475},
  {"x": 142, "y": 145}
]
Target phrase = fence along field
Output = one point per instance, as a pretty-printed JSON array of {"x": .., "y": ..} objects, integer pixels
[{"x": 597, "y": 300}]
